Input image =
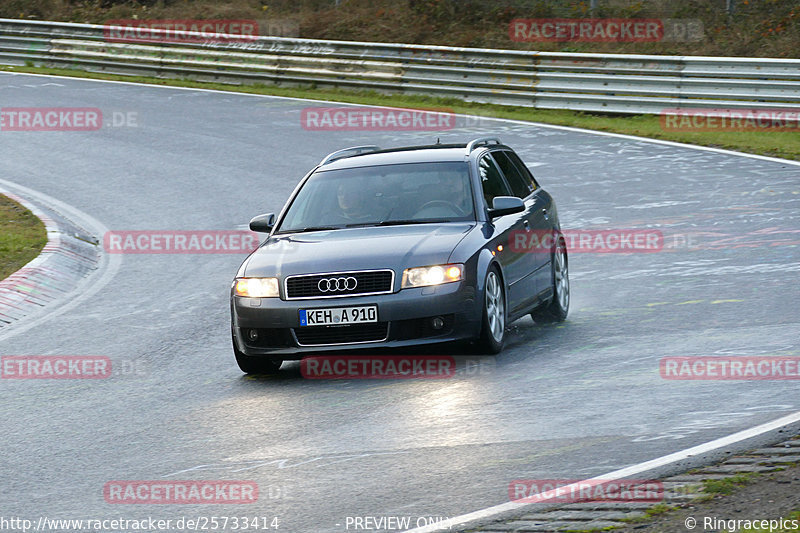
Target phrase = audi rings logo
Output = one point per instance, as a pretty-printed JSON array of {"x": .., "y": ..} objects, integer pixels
[{"x": 337, "y": 284}]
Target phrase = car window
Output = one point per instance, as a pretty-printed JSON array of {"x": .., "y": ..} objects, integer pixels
[
  {"x": 491, "y": 180},
  {"x": 523, "y": 169},
  {"x": 382, "y": 194},
  {"x": 521, "y": 186}
]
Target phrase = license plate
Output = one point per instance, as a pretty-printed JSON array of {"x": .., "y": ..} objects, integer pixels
[{"x": 338, "y": 316}]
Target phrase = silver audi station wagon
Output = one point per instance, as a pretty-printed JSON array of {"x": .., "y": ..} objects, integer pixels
[{"x": 400, "y": 247}]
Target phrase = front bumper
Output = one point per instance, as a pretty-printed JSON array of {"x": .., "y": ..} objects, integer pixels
[{"x": 404, "y": 319}]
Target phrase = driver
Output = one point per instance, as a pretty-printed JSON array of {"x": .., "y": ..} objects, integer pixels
[
  {"x": 352, "y": 200},
  {"x": 456, "y": 191}
]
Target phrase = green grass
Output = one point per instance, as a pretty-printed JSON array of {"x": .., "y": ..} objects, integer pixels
[
  {"x": 22, "y": 236},
  {"x": 659, "y": 509},
  {"x": 727, "y": 485},
  {"x": 650, "y": 513},
  {"x": 774, "y": 143}
]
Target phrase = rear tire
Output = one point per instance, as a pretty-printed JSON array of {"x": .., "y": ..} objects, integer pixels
[
  {"x": 558, "y": 307},
  {"x": 493, "y": 326},
  {"x": 255, "y": 365}
]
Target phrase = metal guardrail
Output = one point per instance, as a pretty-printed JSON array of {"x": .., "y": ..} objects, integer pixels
[{"x": 617, "y": 83}]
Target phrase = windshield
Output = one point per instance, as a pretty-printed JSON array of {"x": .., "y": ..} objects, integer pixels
[{"x": 382, "y": 195}]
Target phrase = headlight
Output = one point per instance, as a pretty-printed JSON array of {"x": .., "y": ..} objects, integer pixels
[
  {"x": 257, "y": 287},
  {"x": 432, "y": 275}
]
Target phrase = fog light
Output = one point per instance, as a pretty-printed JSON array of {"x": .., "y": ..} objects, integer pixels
[
  {"x": 252, "y": 335},
  {"x": 437, "y": 323}
]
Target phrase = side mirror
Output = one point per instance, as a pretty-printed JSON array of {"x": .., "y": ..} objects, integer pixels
[
  {"x": 263, "y": 223},
  {"x": 506, "y": 205}
]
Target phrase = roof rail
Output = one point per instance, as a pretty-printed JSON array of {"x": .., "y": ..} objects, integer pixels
[
  {"x": 479, "y": 141},
  {"x": 348, "y": 152}
]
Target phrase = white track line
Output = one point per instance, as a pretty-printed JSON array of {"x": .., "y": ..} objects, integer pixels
[{"x": 623, "y": 473}]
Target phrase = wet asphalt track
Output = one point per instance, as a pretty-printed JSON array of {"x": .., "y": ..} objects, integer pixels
[{"x": 568, "y": 401}]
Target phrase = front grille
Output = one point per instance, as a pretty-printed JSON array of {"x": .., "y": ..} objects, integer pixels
[
  {"x": 366, "y": 282},
  {"x": 321, "y": 335}
]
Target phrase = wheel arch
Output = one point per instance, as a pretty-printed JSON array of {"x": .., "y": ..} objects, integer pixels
[{"x": 486, "y": 261}]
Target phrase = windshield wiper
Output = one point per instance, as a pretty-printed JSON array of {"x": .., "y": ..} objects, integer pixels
[
  {"x": 394, "y": 222},
  {"x": 310, "y": 228},
  {"x": 410, "y": 221},
  {"x": 361, "y": 225}
]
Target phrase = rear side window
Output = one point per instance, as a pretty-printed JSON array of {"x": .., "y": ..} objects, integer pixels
[
  {"x": 520, "y": 184},
  {"x": 523, "y": 169},
  {"x": 491, "y": 180}
]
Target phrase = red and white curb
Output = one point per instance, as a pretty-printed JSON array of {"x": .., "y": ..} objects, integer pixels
[{"x": 70, "y": 256}]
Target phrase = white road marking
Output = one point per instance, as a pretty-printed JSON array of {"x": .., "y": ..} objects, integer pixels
[{"x": 623, "y": 473}]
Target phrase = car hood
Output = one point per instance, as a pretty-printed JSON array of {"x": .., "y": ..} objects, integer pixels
[{"x": 395, "y": 247}]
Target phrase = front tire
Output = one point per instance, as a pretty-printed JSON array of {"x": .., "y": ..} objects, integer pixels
[
  {"x": 255, "y": 365},
  {"x": 558, "y": 308},
  {"x": 493, "y": 327}
]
